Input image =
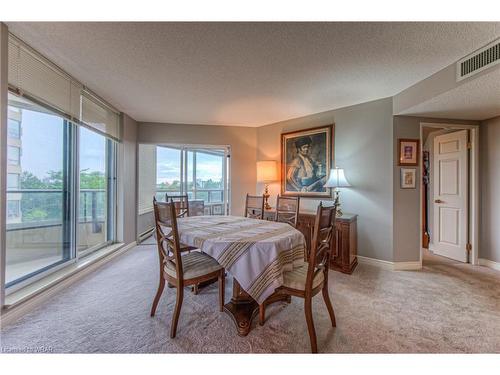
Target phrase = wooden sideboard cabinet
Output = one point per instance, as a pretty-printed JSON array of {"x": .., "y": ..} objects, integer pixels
[{"x": 344, "y": 250}]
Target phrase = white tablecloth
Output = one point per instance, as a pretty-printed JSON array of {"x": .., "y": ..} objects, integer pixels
[{"x": 255, "y": 252}]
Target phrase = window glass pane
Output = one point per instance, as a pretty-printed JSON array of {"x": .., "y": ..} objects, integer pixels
[
  {"x": 36, "y": 236},
  {"x": 168, "y": 172},
  {"x": 95, "y": 192},
  {"x": 209, "y": 178}
]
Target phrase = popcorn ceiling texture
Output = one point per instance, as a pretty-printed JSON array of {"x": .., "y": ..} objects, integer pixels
[
  {"x": 448, "y": 307},
  {"x": 250, "y": 74}
]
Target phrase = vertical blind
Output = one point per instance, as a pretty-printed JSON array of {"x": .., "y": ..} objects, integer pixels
[{"x": 32, "y": 74}]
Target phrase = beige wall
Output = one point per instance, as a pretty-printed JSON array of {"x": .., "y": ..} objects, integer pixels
[
  {"x": 489, "y": 160},
  {"x": 243, "y": 142},
  {"x": 363, "y": 147},
  {"x": 407, "y": 223}
]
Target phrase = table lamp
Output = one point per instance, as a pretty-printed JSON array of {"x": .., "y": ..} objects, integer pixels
[
  {"x": 266, "y": 173},
  {"x": 337, "y": 180}
]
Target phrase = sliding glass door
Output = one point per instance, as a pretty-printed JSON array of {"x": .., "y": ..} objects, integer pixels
[
  {"x": 96, "y": 191},
  {"x": 201, "y": 172},
  {"x": 205, "y": 179},
  {"x": 44, "y": 231},
  {"x": 39, "y": 192},
  {"x": 169, "y": 176}
]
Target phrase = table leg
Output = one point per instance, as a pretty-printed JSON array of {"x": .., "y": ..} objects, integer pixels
[{"x": 242, "y": 309}]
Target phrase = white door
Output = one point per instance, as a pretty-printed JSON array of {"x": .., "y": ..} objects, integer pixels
[{"x": 449, "y": 237}]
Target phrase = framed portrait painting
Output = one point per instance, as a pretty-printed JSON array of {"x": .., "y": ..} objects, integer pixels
[
  {"x": 408, "y": 178},
  {"x": 408, "y": 152},
  {"x": 306, "y": 159}
]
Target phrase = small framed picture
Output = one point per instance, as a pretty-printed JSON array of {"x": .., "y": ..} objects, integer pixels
[
  {"x": 408, "y": 178},
  {"x": 408, "y": 152}
]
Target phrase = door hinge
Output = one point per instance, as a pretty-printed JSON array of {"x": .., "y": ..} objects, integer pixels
[
  {"x": 469, "y": 145},
  {"x": 468, "y": 247}
]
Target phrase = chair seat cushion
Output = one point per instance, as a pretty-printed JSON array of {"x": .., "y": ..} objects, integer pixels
[
  {"x": 296, "y": 278},
  {"x": 194, "y": 264}
]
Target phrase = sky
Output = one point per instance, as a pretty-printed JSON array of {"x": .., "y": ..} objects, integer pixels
[
  {"x": 42, "y": 145},
  {"x": 168, "y": 165}
]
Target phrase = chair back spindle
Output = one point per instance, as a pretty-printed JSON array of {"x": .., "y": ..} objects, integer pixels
[
  {"x": 287, "y": 210},
  {"x": 181, "y": 203},
  {"x": 254, "y": 206}
]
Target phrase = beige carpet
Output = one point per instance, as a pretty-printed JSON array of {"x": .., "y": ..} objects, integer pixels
[{"x": 446, "y": 307}]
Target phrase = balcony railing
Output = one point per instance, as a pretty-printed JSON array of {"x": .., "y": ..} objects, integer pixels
[
  {"x": 35, "y": 236},
  {"x": 43, "y": 208},
  {"x": 209, "y": 196}
]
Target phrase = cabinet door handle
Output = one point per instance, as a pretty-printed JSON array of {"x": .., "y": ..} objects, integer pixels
[{"x": 438, "y": 201}]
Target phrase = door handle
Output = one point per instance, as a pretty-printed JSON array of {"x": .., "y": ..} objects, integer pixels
[{"x": 438, "y": 201}]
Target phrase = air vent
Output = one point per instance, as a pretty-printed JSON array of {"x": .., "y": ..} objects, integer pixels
[{"x": 478, "y": 61}]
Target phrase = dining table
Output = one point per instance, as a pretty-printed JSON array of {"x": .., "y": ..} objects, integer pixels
[{"x": 254, "y": 252}]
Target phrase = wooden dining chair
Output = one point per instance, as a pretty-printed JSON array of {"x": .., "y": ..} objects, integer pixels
[
  {"x": 181, "y": 203},
  {"x": 311, "y": 277},
  {"x": 287, "y": 210},
  {"x": 254, "y": 206},
  {"x": 180, "y": 270}
]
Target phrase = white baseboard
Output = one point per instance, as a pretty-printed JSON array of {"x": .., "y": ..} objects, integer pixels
[
  {"x": 10, "y": 314},
  {"x": 385, "y": 264},
  {"x": 393, "y": 266},
  {"x": 489, "y": 263},
  {"x": 407, "y": 266}
]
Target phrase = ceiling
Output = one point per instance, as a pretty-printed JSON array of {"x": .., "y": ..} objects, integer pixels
[
  {"x": 249, "y": 74},
  {"x": 475, "y": 99}
]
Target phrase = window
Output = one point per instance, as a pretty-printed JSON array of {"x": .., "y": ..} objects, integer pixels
[
  {"x": 12, "y": 181},
  {"x": 168, "y": 172},
  {"x": 61, "y": 195},
  {"x": 38, "y": 221},
  {"x": 200, "y": 172},
  {"x": 96, "y": 211},
  {"x": 13, "y": 155},
  {"x": 14, "y": 129},
  {"x": 43, "y": 228}
]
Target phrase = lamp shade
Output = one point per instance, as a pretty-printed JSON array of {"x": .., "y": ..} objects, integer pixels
[
  {"x": 337, "y": 179},
  {"x": 267, "y": 171}
]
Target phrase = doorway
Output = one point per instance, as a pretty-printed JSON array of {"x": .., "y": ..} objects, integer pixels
[{"x": 449, "y": 186}]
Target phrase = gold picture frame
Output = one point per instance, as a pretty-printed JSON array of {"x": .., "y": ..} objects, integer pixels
[
  {"x": 409, "y": 151},
  {"x": 306, "y": 160}
]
